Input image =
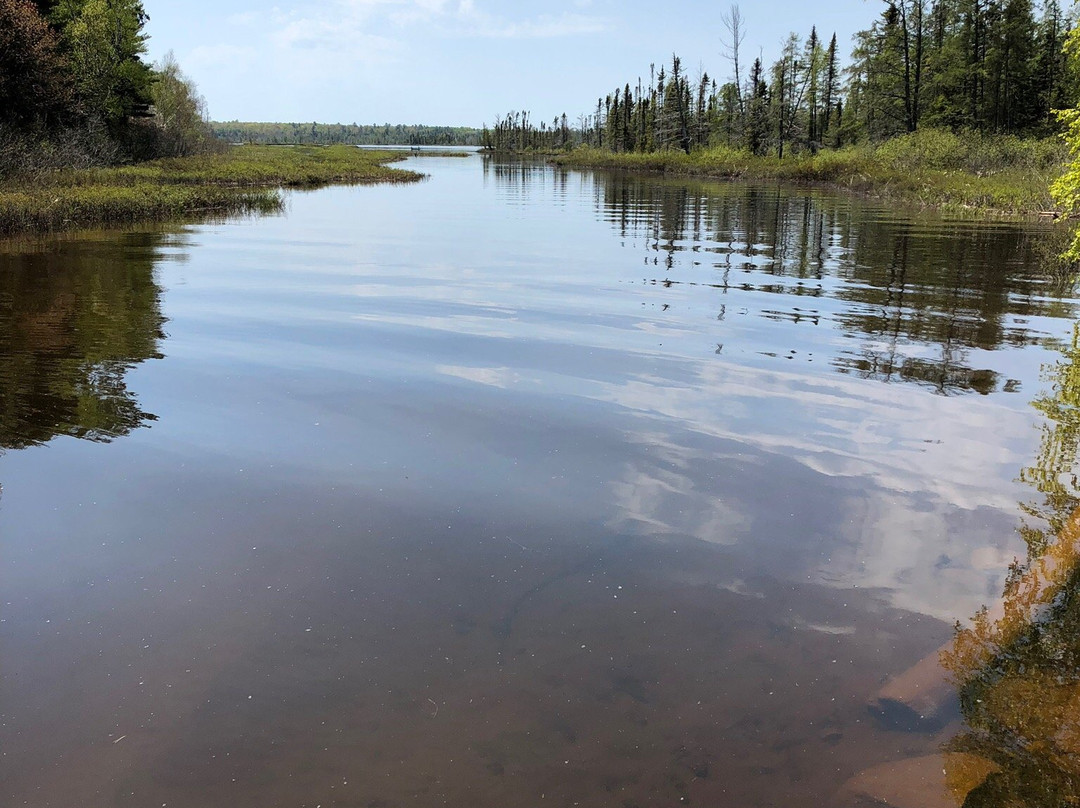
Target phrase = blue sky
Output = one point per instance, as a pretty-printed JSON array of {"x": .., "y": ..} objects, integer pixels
[{"x": 456, "y": 62}]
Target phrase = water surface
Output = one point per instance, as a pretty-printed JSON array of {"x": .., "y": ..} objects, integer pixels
[{"x": 515, "y": 487}]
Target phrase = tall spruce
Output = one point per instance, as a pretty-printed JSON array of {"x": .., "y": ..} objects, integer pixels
[{"x": 985, "y": 65}]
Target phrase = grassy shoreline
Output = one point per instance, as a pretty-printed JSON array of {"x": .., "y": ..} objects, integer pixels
[
  {"x": 981, "y": 175},
  {"x": 242, "y": 179}
]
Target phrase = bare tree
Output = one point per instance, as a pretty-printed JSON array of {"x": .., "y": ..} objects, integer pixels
[{"x": 733, "y": 22}]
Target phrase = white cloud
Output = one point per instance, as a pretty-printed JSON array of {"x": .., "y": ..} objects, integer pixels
[
  {"x": 343, "y": 26},
  {"x": 343, "y": 36},
  {"x": 473, "y": 21},
  {"x": 343, "y": 21},
  {"x": 542, "y": 27},
  {"x": 299, "y": 43},
  {"x": 921, "y": 529}
]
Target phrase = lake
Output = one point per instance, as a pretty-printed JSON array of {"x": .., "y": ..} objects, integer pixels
[{"x": 526, "y": 487}]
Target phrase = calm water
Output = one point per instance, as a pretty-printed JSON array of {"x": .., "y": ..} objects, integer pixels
[{"x": 521, "y": 487}]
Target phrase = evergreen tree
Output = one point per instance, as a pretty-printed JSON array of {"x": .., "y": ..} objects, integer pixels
[
  {"x": 987, "y": 65},
  {"x": 813, "y": 59},
  {"x": 830, "y": 90},
  {"x": 1048, "y": 68},
  {"x": 757, "y": 134}
]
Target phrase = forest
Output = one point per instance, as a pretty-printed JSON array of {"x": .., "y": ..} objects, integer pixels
[
  {"x": 990, "y": 66},
  {"x": 349, "y": 134},
  {"x": 77, "y": 91},
  {"x": 944, "y": 102}
]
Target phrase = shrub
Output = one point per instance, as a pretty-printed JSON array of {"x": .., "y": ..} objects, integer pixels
[{"x": 970, "y": 151}]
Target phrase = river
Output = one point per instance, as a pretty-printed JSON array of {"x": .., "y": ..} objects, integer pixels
[{"x": 516, "y": 487}]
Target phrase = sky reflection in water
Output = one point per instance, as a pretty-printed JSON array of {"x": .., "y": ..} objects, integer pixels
[{"x": 518, "y": 483}]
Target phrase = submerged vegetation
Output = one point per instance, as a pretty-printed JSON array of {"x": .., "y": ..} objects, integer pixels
[
  {"x": 237, "y": 180},
  {"x": 1016, "y": 665}
]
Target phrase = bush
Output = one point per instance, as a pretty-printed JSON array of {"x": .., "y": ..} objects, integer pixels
[
  {"x": 970, "y": 151},
  {"x": 31, "y": 155}
]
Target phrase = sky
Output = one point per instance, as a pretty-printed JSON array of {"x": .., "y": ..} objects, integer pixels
[{"x": 458, "y": 62}]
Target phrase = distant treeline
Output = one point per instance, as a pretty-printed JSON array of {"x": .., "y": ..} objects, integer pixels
[
  {"x": 984, "y": 65},
  {"x": 75, "y": 88},
  {"x": 351, "y": 134}
]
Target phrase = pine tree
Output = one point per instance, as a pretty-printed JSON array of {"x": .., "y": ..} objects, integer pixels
[
  {"x": 757, "y": 134},
  {"x": 812, "y": 57},
  {"x": 830, "y": 90}
]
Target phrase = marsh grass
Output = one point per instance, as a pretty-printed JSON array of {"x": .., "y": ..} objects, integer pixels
[
  {"x": 966, "y": 172},
  {"x": 242, "y": 179}
]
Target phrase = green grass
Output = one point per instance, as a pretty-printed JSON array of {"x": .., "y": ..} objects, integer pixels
[
  {"x": 242, "y": 179},
  {"x": 955, "y": 172}
]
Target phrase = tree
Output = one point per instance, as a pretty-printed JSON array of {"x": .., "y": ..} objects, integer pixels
[
  {"x": 733, "y": 22},
  {"x": 659, "y": 126},
  {"x": 1010, "y": 68},
  {"x": 104, "y": 41},
  {"x": 35, "y": 86},
  {"x": 1066, "y": 189},
  {"x": 789, "y": 89},
  {"x": 700, "y": 132},
  {"x": 179, "y": 111},
  {"x": 894, "y": 55},
  {"x": 830, "y": 90},
  {"x": 813, "y": 59},
  {"x": 676, "y": 106},
  {"x": 757, "y": 128},
  {"x": 985, "y": 65},
  {"x": 1049, "y": 67},
  {"x": 951, "y": 67},
  {"x": 912, "y": 22}
]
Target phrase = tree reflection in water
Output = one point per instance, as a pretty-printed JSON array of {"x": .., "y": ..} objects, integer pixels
[
  {"x": 75, "y": 316},
  {"x": 1018, "y": 670},
  {"x": 918, "y": 301}
]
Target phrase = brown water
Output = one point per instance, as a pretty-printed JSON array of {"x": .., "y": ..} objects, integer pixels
[{"x": 518, "y": 487}]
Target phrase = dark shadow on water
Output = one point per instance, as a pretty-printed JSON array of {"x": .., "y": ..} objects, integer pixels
[{"x": 76, "y": 314}]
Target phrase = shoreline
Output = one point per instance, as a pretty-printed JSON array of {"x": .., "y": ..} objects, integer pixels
[
  {"x": 1011, "y": 192},
  {"x": 238, "y": 180}
]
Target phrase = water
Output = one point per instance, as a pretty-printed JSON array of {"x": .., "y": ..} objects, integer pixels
[{"x": 517, "y": 487}]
